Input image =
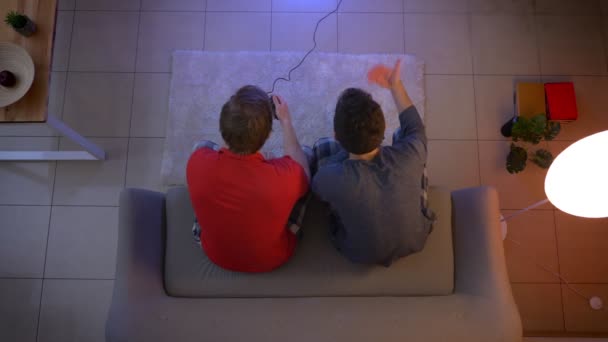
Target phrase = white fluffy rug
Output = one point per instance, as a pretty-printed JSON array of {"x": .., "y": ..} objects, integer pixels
[{"x": 202, "y": 81}]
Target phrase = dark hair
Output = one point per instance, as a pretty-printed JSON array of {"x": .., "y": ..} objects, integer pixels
[
  {"x": 359, "y": 122},
  {"x": 246, "y": 120}
]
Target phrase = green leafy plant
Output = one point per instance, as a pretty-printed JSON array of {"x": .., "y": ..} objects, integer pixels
[
  {"x": 16, "y": 20},
  {"x": 542, "y": 158},
  {"x": 553, "y": 129},
  {"x": 517, "y": 158},
  {"x": 531, "y": 130}
]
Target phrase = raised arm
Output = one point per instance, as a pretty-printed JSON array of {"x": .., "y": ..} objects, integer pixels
[
  {"x": 401, "y": 97},
  {"x": 291, "y": 145},
  {"x": 391, "y": 79},
  {"x": 412, "y": 132}
]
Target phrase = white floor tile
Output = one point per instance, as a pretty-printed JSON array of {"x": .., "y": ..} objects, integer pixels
[
  {"x": 27, "y": 183},
  {"x": 382, "y": 33},
  {"x": 442, "y": 41},
  {"x": 26, "y": 130},
  {"x": 505, "y": 44},
  {"x": 436, "y": 5},
  {"x": 303, "y": 6},
  {"x": 108, "y": 5},
  {"x": 23, "y": 240},
  {"x": 501, "y": 6},
  {"x": 232, "y": 31},
  {"x": 143, "y": 166},
  {"x": 74, "y": 310},
  {"x": 66, "y": 5},
  {"x": 571, "y": 45},
  {"x": 162, "y": 32},
  {"x": 531, "y": 242},
  {"x": 57, "y": 95},
  {"x": 63, "y": 37},
  {"x": 104, "y": 41},
  {"x": 540, "y": 307},
  {"x": 92, "y": 182},
  {"x": 582, "y": 256},
  {"x": 564, "y": 339},
  {"x": 55, "y": 107},
  {"x": 20, "y": 300},
  {"x": 150, "y": 104},
  {"x": 579, "y": 317},
  {"x": 453, "y": 164},
  {"x": 568, "y": 7},
  {"x": 294, "y": 31},
  {"x": 391, "y": 6},
  {"x": 82, "y": 243},
  {"x": 239, "y": 5},
  {"x": 494, "y": 103},
  {"x": 450, "y": 107},
  {"x": 173, "y": 5},
  {"x": 99, "y": 104}
]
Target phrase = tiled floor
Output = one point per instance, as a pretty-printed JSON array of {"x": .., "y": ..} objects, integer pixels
[
  {"x": 560, "y": 339},
  {"x": 110, "y": 81}
]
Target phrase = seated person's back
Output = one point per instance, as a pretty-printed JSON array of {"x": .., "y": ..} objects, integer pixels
[
  {"x": 242, "y": 200},
  {"x": 376, "y": 194}
]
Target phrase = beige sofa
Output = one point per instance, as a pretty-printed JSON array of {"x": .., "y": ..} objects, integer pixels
[{"x": 456, "y": 289}]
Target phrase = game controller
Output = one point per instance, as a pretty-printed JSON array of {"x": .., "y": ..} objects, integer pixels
[{"x": 273, "y": 108}]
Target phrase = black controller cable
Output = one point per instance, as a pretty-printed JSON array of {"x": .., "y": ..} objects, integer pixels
[{"x": 314, "y": 39}]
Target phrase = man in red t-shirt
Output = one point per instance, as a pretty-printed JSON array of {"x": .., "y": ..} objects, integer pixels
[{"x": 243, "y": 201}]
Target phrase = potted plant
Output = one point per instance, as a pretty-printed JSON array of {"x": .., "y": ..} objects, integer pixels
[
  {"x": 532, "y": 131},
  {"x": 21, "y": 23}
]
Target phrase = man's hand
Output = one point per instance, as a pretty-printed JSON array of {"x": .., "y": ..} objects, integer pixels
[
  {"x": 391, "y": 79},
  {"x": 281, "y": 109},
  {"x": 386, "y": 77}
]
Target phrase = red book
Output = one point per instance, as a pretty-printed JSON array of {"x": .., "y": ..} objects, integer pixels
[{"x": 561, "y": 101}]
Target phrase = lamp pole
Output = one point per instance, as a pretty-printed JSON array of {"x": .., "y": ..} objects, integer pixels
[{"x": 519, "y": 212}]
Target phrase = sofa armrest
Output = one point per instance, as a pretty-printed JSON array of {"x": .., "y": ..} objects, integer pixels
[
  {"x": 139, "y": 262},
  {"x": 479, "y": 260},
  {"x": 141, "y": 241}
]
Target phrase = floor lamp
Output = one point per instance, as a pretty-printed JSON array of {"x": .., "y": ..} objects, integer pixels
[{"x": 577, "y": 184}]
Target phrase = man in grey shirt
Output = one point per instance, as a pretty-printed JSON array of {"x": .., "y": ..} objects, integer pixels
[{"x": 376, "y": 194}]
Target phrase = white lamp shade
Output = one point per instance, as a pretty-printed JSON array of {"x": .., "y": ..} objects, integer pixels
[{"x": 577, "y": 181}]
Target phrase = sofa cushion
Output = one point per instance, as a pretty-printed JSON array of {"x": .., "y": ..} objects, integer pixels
[{"x": 316, "y": 269}]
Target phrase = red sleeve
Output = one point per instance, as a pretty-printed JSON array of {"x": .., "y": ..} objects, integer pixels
[
  {"x": 293, "y": 175},
  {"x": 194, "y": 162}
]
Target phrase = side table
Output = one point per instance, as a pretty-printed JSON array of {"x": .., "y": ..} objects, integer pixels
[{"x": 33, "y": 107}]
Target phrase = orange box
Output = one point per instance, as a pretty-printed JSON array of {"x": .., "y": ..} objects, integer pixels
[{"x": 530, "y": 99}]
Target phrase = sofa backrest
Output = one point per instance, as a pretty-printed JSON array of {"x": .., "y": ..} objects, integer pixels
[{"x": 316, "y": 269}]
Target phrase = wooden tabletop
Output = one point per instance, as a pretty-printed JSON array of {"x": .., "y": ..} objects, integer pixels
[{"x": 33, "y": 106}]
